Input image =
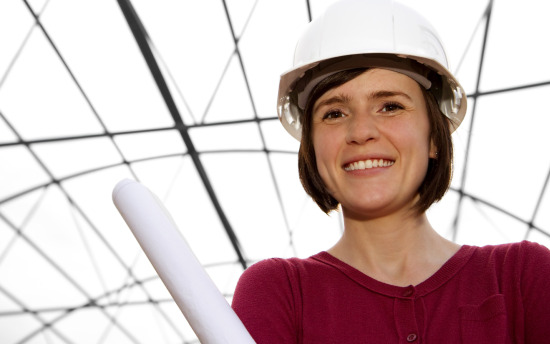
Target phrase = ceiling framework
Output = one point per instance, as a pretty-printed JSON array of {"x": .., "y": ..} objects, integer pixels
[{"x": 181, "y": 97}]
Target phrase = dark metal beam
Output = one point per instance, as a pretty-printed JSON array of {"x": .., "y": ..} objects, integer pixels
[{"x": 142, "y": 40}]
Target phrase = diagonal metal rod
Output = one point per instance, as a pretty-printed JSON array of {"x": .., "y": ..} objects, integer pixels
[
  {"x": 462, "y": 186},
  {"x": 76, "y": 82},
  {"x": 112, "y": 320},
  {"x": 110, "y": 134},
  {"x": 142, "y": 40},
  {"x": 308, "y": 5},
  {"x": 537, "y": 206},
  {"x": 36, "y": 315},
  {"x": 68, "y": 278},
  {"x": 260, "y": 131}
]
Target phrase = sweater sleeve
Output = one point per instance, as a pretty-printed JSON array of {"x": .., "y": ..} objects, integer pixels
[
  {"x": 535, "y": 286},
  {"x": 264, "y": 302}
]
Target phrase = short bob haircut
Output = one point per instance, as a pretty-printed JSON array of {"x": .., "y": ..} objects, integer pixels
[{"x": 439, "y": 173}]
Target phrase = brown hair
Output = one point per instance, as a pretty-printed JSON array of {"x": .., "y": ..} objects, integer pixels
[{"x": 439, "y": 173}]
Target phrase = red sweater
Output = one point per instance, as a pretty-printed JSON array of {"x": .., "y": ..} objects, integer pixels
[{"x": 491, "y": 294}]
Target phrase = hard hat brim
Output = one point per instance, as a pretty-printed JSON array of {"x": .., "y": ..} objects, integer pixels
[{"x": 450, "y": 95}]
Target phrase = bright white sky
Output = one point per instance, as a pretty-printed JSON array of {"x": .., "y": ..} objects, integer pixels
[{"x": 62, "y": 243}]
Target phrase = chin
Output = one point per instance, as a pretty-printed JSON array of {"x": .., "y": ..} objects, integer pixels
[{"x": 375, "y": 209}]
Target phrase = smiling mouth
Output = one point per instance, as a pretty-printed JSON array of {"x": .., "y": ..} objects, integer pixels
[{"x": 366, "y": 164}]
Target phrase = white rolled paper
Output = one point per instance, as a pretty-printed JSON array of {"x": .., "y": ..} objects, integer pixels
[{"x": 206, "y": 310}]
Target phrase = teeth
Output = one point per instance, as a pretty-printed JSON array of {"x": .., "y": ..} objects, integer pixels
[{"x": 365, "y": 164}]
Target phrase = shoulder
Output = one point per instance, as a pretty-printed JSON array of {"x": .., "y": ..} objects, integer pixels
[
  {"x": 532, "y": 250},
  {"x": 270, "y": 269},
  {"x": 267, "y": 299},
  {"x": 510, "y": 263},
  {"x": 271, "y": 276},
  {"x": 525, "y": 262},
  {"x": 262, "y": 277},
  {"x": 524, "y": 251},
  {"x": 279, "y": 269},
  {"x": 526, "y": 266},
  {"x": 264, "y": 282}
]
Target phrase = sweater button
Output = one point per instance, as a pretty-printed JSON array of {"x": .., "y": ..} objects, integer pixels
[
  {"x": 411, "y": 337},
  {"x": 409, "y": 291}
]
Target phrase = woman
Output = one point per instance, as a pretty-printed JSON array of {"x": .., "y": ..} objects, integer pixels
[{"x": 374, "y": 106}]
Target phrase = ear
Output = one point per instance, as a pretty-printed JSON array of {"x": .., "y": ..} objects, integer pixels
[{"x": 433, "y": 150}]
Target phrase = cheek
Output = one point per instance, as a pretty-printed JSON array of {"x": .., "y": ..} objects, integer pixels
[
  {"x": 420, "y": 149},
  {"x": 325, "y": 157},
  {"x": 321, "y": 160},
  {"x": 413, "y": 135},
  {"x": 325, "y": 147},
  {"x": 318, "y": 146}
]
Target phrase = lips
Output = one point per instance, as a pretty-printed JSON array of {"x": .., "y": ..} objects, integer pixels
[{"x": 369, "y": 163}]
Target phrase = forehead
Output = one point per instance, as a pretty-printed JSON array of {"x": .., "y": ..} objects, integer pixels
[{"x": 375, "y": 80}]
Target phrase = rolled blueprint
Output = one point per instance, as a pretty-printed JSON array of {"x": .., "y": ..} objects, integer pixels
[{"x": 206, "y": 310}]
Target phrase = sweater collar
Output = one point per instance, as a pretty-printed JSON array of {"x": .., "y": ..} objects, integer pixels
[{"x": 447, "y": 271}]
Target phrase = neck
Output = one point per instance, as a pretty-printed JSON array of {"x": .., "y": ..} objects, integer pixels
[{"x": 399, "y": 250}]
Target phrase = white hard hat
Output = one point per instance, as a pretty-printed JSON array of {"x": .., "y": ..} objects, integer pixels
[{"x": 368, "y": 33}]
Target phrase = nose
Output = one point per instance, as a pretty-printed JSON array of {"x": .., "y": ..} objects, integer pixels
[{"x": 362, "y": 128}]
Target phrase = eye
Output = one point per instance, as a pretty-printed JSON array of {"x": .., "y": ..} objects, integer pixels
[
  {"x": 391, "y": 107},
  {"x": 333, "y": 114}
]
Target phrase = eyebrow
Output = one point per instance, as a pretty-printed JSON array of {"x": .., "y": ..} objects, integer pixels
[
  {"x": 344, "y": 99},
  {"x": 337, "y": 99}
]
